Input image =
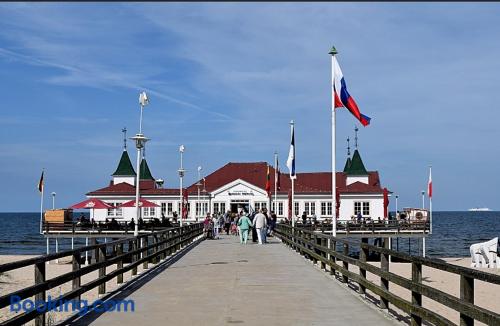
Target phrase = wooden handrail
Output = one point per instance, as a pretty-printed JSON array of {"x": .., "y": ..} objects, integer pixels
[
  {"x": 162, "y": 243},
  {"x": 300, "y": 240}
]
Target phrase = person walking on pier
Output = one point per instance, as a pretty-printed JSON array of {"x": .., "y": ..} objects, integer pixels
[
  {"x": 260, "y": 223},
  {"x": 227, "y": 221},
  {"x": 244, "y": 224}
]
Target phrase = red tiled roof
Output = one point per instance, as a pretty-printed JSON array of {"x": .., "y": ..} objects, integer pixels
[
  {"x": 256, "y": 174},
  {"x": 311, "y": 182},
  {"x": 124, "y": 189}
]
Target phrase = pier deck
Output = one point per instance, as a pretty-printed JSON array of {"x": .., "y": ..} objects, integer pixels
[{"x": 222, "y": 282}]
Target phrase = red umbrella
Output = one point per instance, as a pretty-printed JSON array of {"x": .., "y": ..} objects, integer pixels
[
  {"x": 386, "y": 201},
  {"x": 92, "y": 203},
  {"x": 142, "y": 203}
]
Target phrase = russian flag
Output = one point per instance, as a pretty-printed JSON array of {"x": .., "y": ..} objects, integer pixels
[{"x": 342, "y": 97}]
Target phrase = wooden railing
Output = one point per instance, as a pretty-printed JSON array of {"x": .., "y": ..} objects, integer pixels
[
  {"x": 325, "y": 249},
  {"x": 371, "y": 226},
  {"x": 143, "y": 249},
  {"x": 122, "y": 227}
]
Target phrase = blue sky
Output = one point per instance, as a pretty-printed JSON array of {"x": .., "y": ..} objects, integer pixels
[{"x": 225, "y": 79}]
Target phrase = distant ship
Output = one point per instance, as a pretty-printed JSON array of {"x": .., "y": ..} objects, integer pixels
[{"x": 479, "y": 209}]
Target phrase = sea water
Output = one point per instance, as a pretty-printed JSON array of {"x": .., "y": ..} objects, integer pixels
[{"x": 453, "y": 233}]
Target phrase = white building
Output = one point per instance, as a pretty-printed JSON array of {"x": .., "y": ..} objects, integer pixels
[{"x": 242, "y": 185}]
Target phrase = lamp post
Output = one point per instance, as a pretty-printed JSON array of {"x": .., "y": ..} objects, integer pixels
[
  {"x": 53, "y": 200},
  {"x": 198, "y": 185},
  {"x": 423, "y": 199},
  {"x": 140, "y": 142},
  {"x": 181, "y": 175}
]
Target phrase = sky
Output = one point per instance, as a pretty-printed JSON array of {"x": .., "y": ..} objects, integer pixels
[{"x": 225, "y": 79}]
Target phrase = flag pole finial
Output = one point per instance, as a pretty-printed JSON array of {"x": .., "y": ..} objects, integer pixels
[
  {"x": 333, "y": 51},
  {"x": 124, "y": 130},
  {"x": 356, "y": 137}
]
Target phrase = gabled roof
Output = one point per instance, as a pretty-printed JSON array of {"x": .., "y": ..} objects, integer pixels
[
  {"x": 145, "y": 173},
  {"x": 356, "y": 167},
  {"x": 125, "y": 167}
]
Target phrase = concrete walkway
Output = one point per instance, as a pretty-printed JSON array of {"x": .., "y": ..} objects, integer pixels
[{"x": 222, "y": 282}]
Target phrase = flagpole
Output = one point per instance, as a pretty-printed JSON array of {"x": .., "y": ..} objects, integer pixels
[
  {"x": 333, "y": 52},
  {"x": 430, "y": 198},
  {"x": 292, "y": 177},
  {"x": 41, "y": 203}
]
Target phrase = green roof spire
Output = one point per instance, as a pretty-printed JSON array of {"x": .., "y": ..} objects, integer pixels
[
  {"x": 356, "y": 167},
  {"x": 347, "y": 165},
  {"x": 145, "y": 173},
  {"x": 125, "y": 166}
]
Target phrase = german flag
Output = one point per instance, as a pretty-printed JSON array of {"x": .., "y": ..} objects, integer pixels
[{"x": 40, "y": 183}]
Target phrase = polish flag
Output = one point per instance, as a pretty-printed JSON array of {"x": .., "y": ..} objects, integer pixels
[{"x": 429, "y": 185}]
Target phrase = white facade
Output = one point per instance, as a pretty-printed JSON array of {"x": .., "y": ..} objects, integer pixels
[{"x": 239, "y": 195}]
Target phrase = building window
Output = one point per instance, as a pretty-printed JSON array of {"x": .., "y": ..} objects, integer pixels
[
  {"x": 148, "y": 212},
  {"x": 310, "y": 208},
  {"x": 198, "y": 209},
  {"x": 260, "y": 205},
  {"x": 280, "y": 208},
  {"x": 115, "y": 212},
  {"x": 357, "y": 207},
  {"x": 170, "y": 209},
  {"x": 366, "y": 208},
  {"x": 297, "y": 211},
  {"x": 163, "y": 209},
  {"x": 201, "y": 209},
  {"x": 326, "y": 208},
  {"x": 219, "y": 208},
  {"x": 362, "y": 208}
]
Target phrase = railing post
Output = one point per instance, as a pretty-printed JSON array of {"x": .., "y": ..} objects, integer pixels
[
  {"x": 333, "y": 247},
  {"x": 467, "y": 295},
  {"x": 384, "y": 283},
  {"x": 145, "y": 253},
  {"x": 363, "y": 255},
  {"x": 416, "y": 298},
  {"x": 40, "y": 296},
  {"x": 119, "y": 264},
  {"x": 162, "y": 246},
  {"x": 156, "y": 259},
  {"x": 178, "y": 239},
  {"x": 76, "y": 264},
  {"x": 133, "y": 257},
  {"x": 345, "y": 264},
  {"x": 93, "y": 241},
  {"x": 313, "y": 240},
  {"x": 323, "y": 252},
  {"x": 170, "y": 235},
  {"x": 102, "y": 270}
]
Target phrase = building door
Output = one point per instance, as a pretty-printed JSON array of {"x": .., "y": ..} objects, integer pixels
[{"x": 237, "y": 205}]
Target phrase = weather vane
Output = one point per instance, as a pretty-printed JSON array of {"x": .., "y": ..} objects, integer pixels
[
  {"x": 124, "y": 130},
  {"x": 348, "y": 147}
]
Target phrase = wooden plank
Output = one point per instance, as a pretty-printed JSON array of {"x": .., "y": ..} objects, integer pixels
[
  {"x": 40, "y": 296},
  {"x": 467, "y": 295},
  {"x": 416, "y": 297}
]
